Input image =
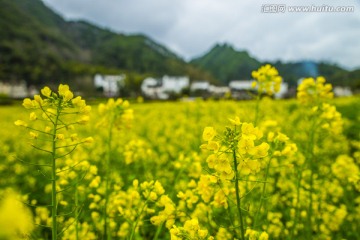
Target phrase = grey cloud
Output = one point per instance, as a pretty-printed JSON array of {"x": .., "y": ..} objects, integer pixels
[{"x": 191, "y": 27}]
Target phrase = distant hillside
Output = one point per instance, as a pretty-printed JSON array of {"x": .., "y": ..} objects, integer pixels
[
  {"x": 293, "y": 71},
  {"x": 227, "y": 63},
  {"x": 39, "y": 46},
  {"x": 29, "y": 47}
]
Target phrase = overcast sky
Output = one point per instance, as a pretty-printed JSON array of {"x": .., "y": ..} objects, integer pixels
[{"x": 191, "y": 27}]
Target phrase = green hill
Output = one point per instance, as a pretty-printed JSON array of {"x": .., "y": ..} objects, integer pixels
[
  {"x": 30, "y": 49},
  {"x": 39, "y": 46},
  {"x": 226, "y": 64}
]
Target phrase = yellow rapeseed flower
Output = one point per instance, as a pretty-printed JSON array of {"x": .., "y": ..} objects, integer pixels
[
  {"x": 84, "y": 119},
  {"x": 262, "y": 150},
  {"x": 27, "y": 103},
  {"x": 68, "y": 95},
  {"x": 246, "y": 145},
  {"x": 249, "y": 131},
  {"x": 63, "y": 89},
  {"x": 34, "y": 135},
  {"x": 15, "y": 219},
  {"x": 264, "y": 236},
  {"x": 46, "y": 91},
  {"x": 235, "y": 121},
  {"x": 47, "y": 129},
  {"x": 33, "y": 116},
  {"x": 38, "y": 99},
  {"x": 20, "y": 123},
  {"x": 213, "y": 146},
  {"x": 60, "y": 136},
  {"x": 77, "y": 101},
  {"x": 313, "y": 90},
  {"x": 208, "y": 134},
  {"x": 267, "y": 79}
]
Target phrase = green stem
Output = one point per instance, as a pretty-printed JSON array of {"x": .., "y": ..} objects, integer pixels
[
  {"x": 297, "y": 209},
  {"x": 238, "y": 202},
  {"x": 138, "y": 219},
  {"x": 263, "y": 193},
  {"x": 107, "y": 234},
  {"x": 158, "y": 231},
  {"x": 310, "y": 158},
  {"x": 76, "y": 212},
  {"x": 231, "y": 221},
  {"x": 257, "y": 109},
  {"x": 53, "y": 176}
]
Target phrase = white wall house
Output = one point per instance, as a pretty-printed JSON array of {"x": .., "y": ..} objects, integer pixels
[
  {"x": 110, "y": 84},
  {"x": 342, "y": 91},
  {"x": 241, "y": 84},
  {"x": 5, "y": 88},
  {"x": 284, "y": 89},
  {"x": 175, "y": 83},
  {"x": 17, "y": 90},
  {"x": 152, "y": 88},
  {"x": 200, "y": 86},
  {"x": 162, "y": 88},
  {"x": 219, "y": 91},
  {"x": 205, "y": 89},
  {"x": 240, "y": 89}
]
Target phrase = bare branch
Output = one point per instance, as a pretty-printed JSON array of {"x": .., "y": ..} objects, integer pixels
[
  {"x": 32, "y": 164},
  {"x": 40, "y": 149},
  {"x": 67, "y": 153}
]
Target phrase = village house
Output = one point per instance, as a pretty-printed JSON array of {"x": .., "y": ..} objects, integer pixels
[
  {"x": 219, "y": 91},
  {"x": 163, "y": 88},
  {"x": 17, "y": 90},
  {"x": 199, "y": 86},
  {"x": 200, "y": 89},
  {"x": 109, "y": 84},
  {"x": 342, "y": 91},
  {"x": 242, "y": 89},
  {"x": 283, "y": 92},
  {"x": 205, "y": 89}
]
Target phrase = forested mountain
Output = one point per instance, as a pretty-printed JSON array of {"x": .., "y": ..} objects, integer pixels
[
  {"x": 227, "y": 63},
  {"x": 37, "y": 45}
]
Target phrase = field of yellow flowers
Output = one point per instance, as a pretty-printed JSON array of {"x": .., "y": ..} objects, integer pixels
[{"x": 261, "y": 169}]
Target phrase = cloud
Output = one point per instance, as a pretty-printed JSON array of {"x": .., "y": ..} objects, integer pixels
[{"x": 191, "y": 27}]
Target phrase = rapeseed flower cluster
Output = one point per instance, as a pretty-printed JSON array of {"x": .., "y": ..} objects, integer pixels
[
  {"x": 255, "y": 235},
  {"x": 136, "y": 150},
  {"x": 330, "y": 119},
  {"x": 16, "y": 220},
  {"x": 326, "y": 124},
  {"x": 166, "y": 215},
  {"x": 244, "y": 140},
  {"x": 157, "y": 183},
  {"x": 313, "y": 91},
  {"x": 115, "y": 113},
  {"x": 345, "y": 169},
  {"x": 190, "y": 230},
  {"x": 52, "y": 123},
  {"x": 58, "y": 113},
  {"x": 267, "y": 80}
]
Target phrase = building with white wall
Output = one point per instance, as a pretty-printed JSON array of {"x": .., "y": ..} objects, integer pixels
[
  {"x": 164, "y": 87},
  {"x": 110, "y": 84}
]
